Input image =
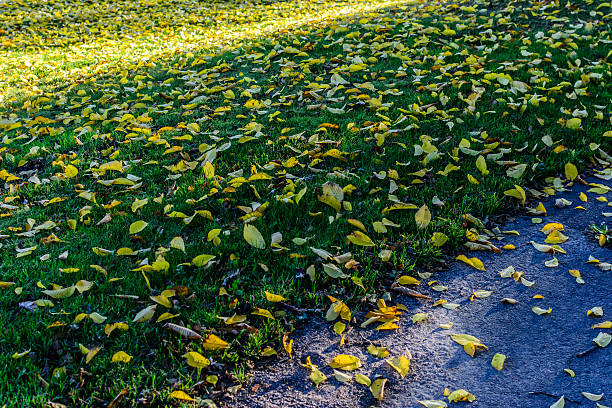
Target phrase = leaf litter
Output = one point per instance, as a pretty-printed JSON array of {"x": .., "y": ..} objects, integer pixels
[{"x": 170, "y": 182}]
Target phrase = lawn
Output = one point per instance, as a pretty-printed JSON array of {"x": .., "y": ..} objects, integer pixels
[{"x": 183, "y": 182}]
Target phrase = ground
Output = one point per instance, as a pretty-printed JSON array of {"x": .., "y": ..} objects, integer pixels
[
  {"x": 183, "y": 181},
  {"x": 538, "y": 348}
]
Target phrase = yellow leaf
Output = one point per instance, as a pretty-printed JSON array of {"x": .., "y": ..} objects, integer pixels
[
  {"x": 553, "y": 226},
  {"x": 345, "y": 362},
  {"x": 60, "y": 293},
  {"x": 481, "y": 164},
  {"x": 498, "y": 361},
  {"x": 422, "y": 217},
  {"x": 137, "y": 204},
  {"x": 268, "y": 351},
  {"x": 438, "y": 239},
  {"x": 380, "y": 352},
  {"x": 108, "y": 329},
  {"x": 253, "y": 237},
  {"x": 213, "y": 342},
  {"x": 178, "y": 243},
  {"x": 472, "y": 179},
  {"x": 83, "y": 285},
  {"x": 97, "y": 318},
  {"x": 145, "y": 314},
  {"x": 378, "y": 388},
  {"x": 121, "y": 357},
  {"x": 362, "y": 379},
  {"x": 137, "y": 226},
  {"x": 315, "y": 374},
  {"x": 202, "y": 260},
  {"x": 92, "y": 353},
  {"x": 463, "y": 339},
  {"x": 357, "y": 224},
  {"x": 552, "y": 263},
  {"x": 209, "y": 170},
  {"x": 162, "y": 300},
  {"x": 400, "y": 364},
  {"x": 388, "y": 326},
  {"x": 556, "y": 237},
  {"x": 70, "y": 171},
  {"x": 461, "y": 396},
  {"x": 359, "y": 238},
  {"x": 418, "y": 317},
  {"x": 474, "y": 262},
  {"x": 539, "y": 311},
  {"x": 181, "y": 396},
  {"x": 332, "y": 195},
  {"x": 288, "y": 344},
  {"x": 262, "y": 312},
  {"x": 166, "y": 316},
  {"x": 517, "y": 192},
  {"x": 469, "y": 348},
  {"x": 603, "y": 325},
  {"x": 407, "y": 280},
  {"x": 571, "y": 172},
  {"x": 18, "y": 355},
  {"x": 573, "y": 123},
  {"x": 339, "y": 328},
  {"x": 271, "y": 297},
  {"x": 196, "y": 360}
]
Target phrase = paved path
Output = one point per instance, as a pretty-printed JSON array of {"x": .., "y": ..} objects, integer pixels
[{"x": 538, "y": 348}]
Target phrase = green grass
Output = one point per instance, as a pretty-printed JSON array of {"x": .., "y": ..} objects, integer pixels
[{"x": 55, "y": 369}]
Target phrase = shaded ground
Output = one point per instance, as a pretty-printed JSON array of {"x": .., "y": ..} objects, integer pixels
[{"x": 538, "y": 348}]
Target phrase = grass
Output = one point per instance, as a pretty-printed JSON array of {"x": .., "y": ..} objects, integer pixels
[{"x": 397, "y": 62}]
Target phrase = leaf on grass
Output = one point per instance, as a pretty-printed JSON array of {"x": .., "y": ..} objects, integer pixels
[
  {"x": 121, "y": 357},
  {"x": 359, "y": 238},
  {"x": 271, "y": 297},
  {"x": 202, "y": 260},
  {"x": 181, "y": 396},
  {"x": 196, "y": 360},
  {"x": 438, "y": 239},
  {"x": 253, "y": 237},
  {"x": 145, "y": 314},
  {"x": 422, "y": 217},
  {"x": 182, "y": 331},
  {"x": 518, "y": 193},
  {"x": 138, "y": 226},
  {"x": 571, "y": 172}
]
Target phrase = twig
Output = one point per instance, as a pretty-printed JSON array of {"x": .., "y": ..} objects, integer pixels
[
  {"x": 585, "y": 352},
  {"x": 294, "y": 309},
  {"x": 552, "y": 396},
  {"x": 413, "y": 293}
]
